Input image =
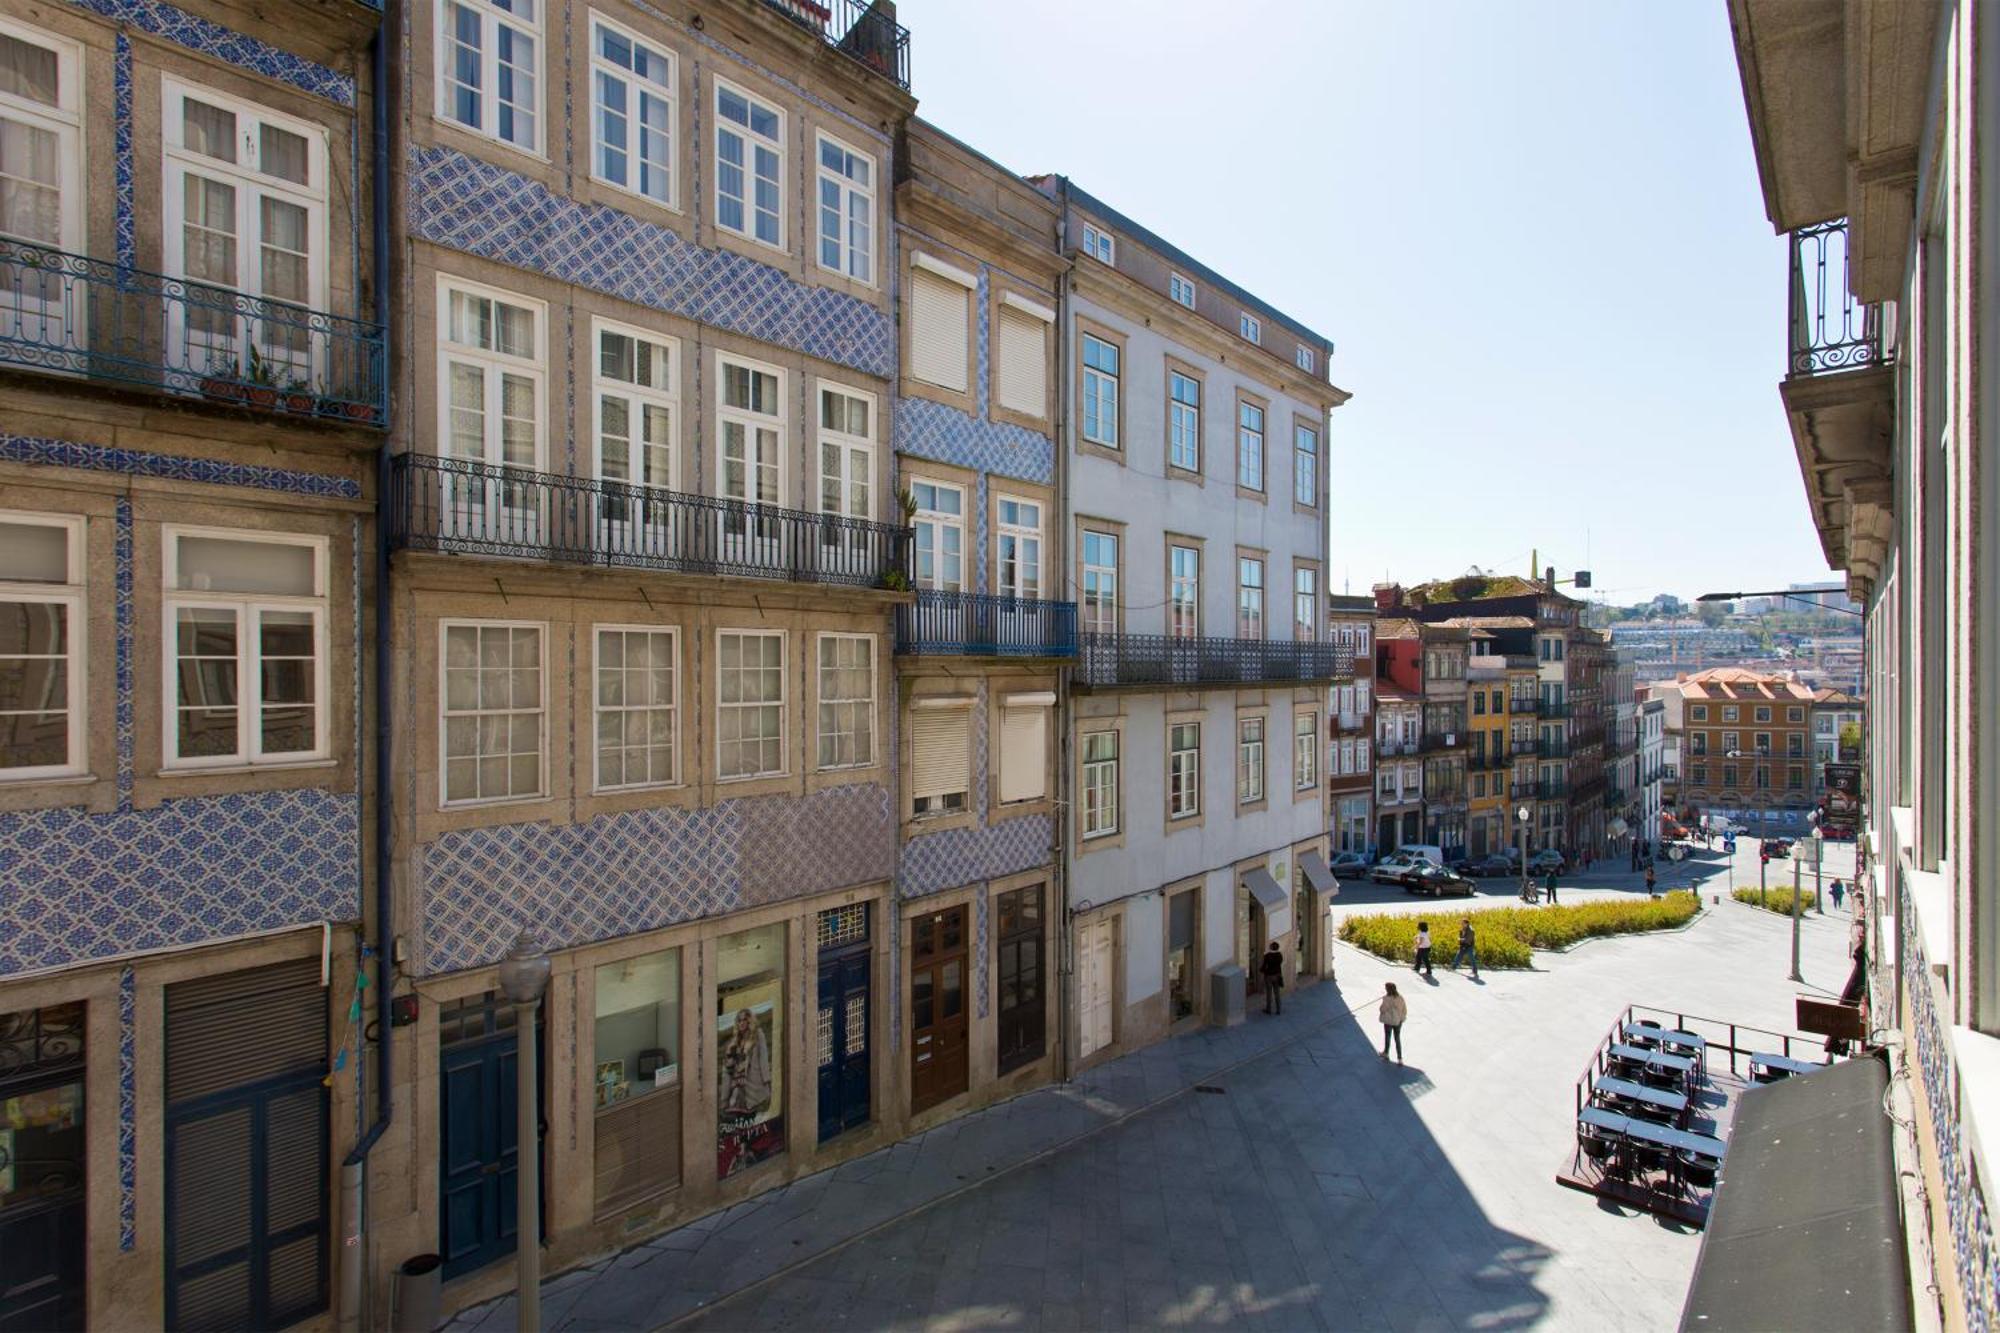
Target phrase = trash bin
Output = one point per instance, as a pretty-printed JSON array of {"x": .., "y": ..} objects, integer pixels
[
  {"x": 1225, "y": 996},
  {"x": 418, "y": 1283}
]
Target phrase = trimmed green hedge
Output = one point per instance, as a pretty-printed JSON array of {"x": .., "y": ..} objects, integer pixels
[
  {"x": 1508, "y": 936},
  {"x": 1777, "y": 899}
]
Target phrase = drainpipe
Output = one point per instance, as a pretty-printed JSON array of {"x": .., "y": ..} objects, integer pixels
[
  {"x": 1064, "y": 810},
  {"x": 353, "y": 1253}
]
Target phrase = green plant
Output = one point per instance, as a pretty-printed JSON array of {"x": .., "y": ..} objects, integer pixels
[
  {"x": 1777, "y": 899},
  {"x": 1508, "y": 935},
  {"x": 896, "y": 581},
  {"x": 907, "y": 500}
]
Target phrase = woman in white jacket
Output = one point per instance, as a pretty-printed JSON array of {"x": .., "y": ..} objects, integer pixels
[{"x": 1394, "y": 1010}]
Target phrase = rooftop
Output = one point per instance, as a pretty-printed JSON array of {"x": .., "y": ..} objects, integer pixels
[{"x": 1738, "y": 683}]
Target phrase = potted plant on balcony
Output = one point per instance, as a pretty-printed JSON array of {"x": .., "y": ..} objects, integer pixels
[
  {"x": 263, "y": 385},
  {"x": 223, "y": 380}
]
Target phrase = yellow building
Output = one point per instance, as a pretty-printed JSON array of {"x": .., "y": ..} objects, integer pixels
[{"x": 1487, "y": 761}]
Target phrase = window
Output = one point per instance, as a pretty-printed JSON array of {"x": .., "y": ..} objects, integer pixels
[
  {"x": 1305, "y": 465},
  {"x": 1020, "y": 537},
  {"x": 1183, "y": 998},
  {"x": 246, "y": 623},
  {"x": 1249, "y": 760},
  {"x": 637, "y": 1045},
  {"x": 750, "y": 703},
  {"x": 1305, "y": 359},
  {"x": 1361, "y": 755},
  {"x": 750, "y": 1041},
  {"x": 246, "y": 193},
  {"x": 1249, "y": 446},
  {"x": 1762, "y": 741},
  {"x": 749, "y": 166},
  {"x": 751, "y": 425},
  {"x": 494, "y": 703},
  {"x": 1729, "y": 712},
  {"x": 1698, "y": 713},
  {"x": 1795, "y": 777},
  {"x": 1024, "y": 746},
  {"x": 1795, "y": 715},
  {"x": 490, "y": 391},
  {"x": 1100, "y": 391},
  {"x": 1184, "y": 595},
  {"x": 1763, "y": 777},
  {"x": 1018, "y": 983},
  {"x": 1183, "y": 421},
  {"x": 1305, "y": 750},
  {"x": 42, "y": 653},
  {"x": 940, "y": 745},
  {"x": 1249, "y": 598},
  {"x": 846, "y": 452},
  {"x": 846, "y": 700},
  {"x": 940, "y": 315},
  {"x": 1022, "y": 375},
  {"x": 632, "y": 90},
  {"x": 1763, "y": 713},
  {"x": 846, "y": 210},
  {"x": 1100, "y": 582},
  {"x": 633, "y": 387},
  {"x": 638, "y": 714},
  {"x": 489, "y": 66},
  {"x": 1698, "y": 775},
  {"x": 1305, "y": 604},
  {"x": 1180, "y": 289},
  {"x": 940, "y": 528},
  {"x": 1183, "y": 770},
  {"x": 1250, "y": 327},
  {"x": 1795, "y": 745},
  {"x": 41, "y": 185},
  {"x": 1729, "y": 775},
  {"x": 1731, "y": 742},
  {"x": 1698, "y": 742},
  {"x": 1100, "y": 783},
  {"x": 1478, "y": 703},
  {"x": 1097, "y": 243}
]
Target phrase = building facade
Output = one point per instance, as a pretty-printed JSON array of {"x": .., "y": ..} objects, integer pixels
[
  {"x": 1652, "y": 767},
  {"x": 1195, "y": 447},
  {"x": 1430, "y": 662},
  {"x": 1399, "y": 771},
  {"x": 1836, "y": 733},
  {"x": 192, "y": 376},
  {"x": 1622, "y": 805},
  {"x": 1488, "y": 766},
  {"x": 1890, "y": 210},
  {"x": 1747, "y": 741},
  {"x": 1350, "y": 719}
]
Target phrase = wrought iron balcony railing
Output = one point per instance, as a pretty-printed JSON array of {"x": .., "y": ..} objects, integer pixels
[
  {"x": 1392, "y": 748},
  {"x": 976, "y": 625},
  {"x": 857, "y": 28},
  {"x": 1829, "y": 330},
  {"x": 1548, "y": 791},
  {"x": 1522, "y": 747},
  {"x": 76, "y": 316},
  {"x": 450, "y": 504},
  {"x": 1161, "y": 659},
  {"x": 1441, "y": 740},
  {"x": 1552, "y": 707},
  {"x": 1526, "y": 705},
  {"x": 1522, "y": 790},
  {"x": 1552, "y": 749}
]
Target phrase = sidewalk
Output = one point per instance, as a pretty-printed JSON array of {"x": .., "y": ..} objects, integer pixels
[{"x": 681, "y": 1271}]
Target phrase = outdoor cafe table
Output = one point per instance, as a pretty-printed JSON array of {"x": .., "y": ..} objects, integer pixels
[
  {"x": 1639, "y": 1092},
  {"x": 1686, "y": 1041},
  {"x": 1766, "y": 1060},
  {"x": 1660, "y": 1060},
  {"x": 1680, "y": 1140}
]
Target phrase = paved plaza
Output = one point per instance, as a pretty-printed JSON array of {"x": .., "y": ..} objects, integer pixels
[{"x": 1304, "y": 1184}]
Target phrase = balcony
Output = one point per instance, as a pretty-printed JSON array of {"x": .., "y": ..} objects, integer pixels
[
  {"x": 860, "y": 30},
  {"x": 1526, "y": 705},
  {"x": 1549, "y": 791},
  {"x": 1552, "y": 708},
  {"x": 1521, "y": 791},
  {"x": 449, "y": 504},
  {"x": 1344, "y": 723},
  {"x": 1113, "y": 660},
  {"x": 96, "y": 322},
  {"x": 972, "y": 625},
  {"x": 1526, "y": 747},
  {"x": 1552, "y": 749},
  {"x": 1391, "y": 748},
  {"x": 1434, "y": 741}
]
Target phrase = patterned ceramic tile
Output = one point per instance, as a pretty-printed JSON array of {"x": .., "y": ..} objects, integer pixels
[
  {"x": 126, "y": 220},
  {"x": 231, "y": 47},
  {"x": 933, "y": 862},
  {"x": 926, "y": 429},
  {"x": 78, "y": 886},
  {"x": 143, "y": 463},
  {"x": 644, "y": 869},
  {"x": 981, "y": 911},
  {"x": 128, "y": 1112},
  {"x": 122, "y": 594},
  {"x": 482, "y": 209}
]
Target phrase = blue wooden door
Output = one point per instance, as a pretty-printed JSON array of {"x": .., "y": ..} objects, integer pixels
[
  {"x": 477, "y": 1153},
  {"x": 843, "y": 1041}
]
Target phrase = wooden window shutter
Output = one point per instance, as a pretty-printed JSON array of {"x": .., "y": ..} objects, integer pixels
[
  {"x": 1024, "y": 372},
  {"x": 939, "y": 759},
  {"x": 1024, "y": 758},
  {"x": 939, "y": 311}
]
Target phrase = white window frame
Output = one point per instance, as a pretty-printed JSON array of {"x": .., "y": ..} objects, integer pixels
[
  {"x": 597, "y": 706},
  {"x": 941, "y": 522},
  {"x": 849, "y": 446},
  {"x": 1107, "y": 812},
  {"x": 1180, "y": 289},
  {"x": 1177, "y": 583},
  {"x": 1305, "y": 466},
  {"x": 752, "y": 421},
  {"x": 1305, "y": 359},
  {"x": 1250, "y": 759},
  {"x": 751, "y": 140},
  {"x": 1026, "y": 539},
  {"x": 248, "y": 609},
  {"x": 490, "y": 17},
  {"x": 1305, "y": 750},
  {"x": 1306, "y": 629},
  {"x": 783, "y": 702},
  {"x": 70, "y": 595},
  {"x": 1099, "y": 244},
  {"x": 65, "y": 121},
  {"x": 445, "y": 714},
  {"x": 1361, "y": 755},
  {"x": 846, "y": 192},
  {"x": 493, "y": 366},
  {"x": 1183, "y": 422},
  {"x": 868, "y": 702},
  {"x": 636, "y": 88},
  {"x": 1108, "y": 385},
  {"x": 1098, "y": 579},
  {"x": 637, "y": 397},
  {"x": 1183, "y": 773},
  {"x": 1251, "y": 327},
  {"x": 1243, "y": 614},
  {"x": 1247, "y": 477}
]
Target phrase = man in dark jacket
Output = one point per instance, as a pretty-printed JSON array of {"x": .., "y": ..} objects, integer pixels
[{"x": 1273, "y": 970}]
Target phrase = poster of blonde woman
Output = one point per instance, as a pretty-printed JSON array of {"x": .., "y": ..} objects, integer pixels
[{"x": 749, "y": 1091}]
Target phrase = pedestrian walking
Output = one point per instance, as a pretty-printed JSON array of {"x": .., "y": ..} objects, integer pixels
[
  {"x": 1652, "y": 885},
  {"x": 1423, "y": 963},
  {"x": 1837, "y": 893},
  {"x": 1468, "y": 947},
  {"x": 1273, "y": 969},
  {"x": 1393, "y": 1013},
  {"x": 1550, "y": 884}
]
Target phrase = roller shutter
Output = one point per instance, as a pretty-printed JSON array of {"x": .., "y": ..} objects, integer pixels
[
  {"x": 940, "y": 313},
  {"x": 940, "y": 765},
  {"x": 1024, "y": 371},
  {"x": 1024, "y": 754}
]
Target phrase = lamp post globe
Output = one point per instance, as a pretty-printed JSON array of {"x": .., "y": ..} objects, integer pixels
[{"x": 524, "y": 972}]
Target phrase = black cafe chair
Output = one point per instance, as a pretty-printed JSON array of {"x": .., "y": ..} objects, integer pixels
[{"x": 1697, "y": 1170}]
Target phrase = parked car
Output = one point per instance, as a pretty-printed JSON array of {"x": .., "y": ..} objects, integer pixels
[
  {"x": 1497, "y": 866},
  {"x": 1547, "y": 859},
  {"x": 1348, "y": 863},
  {"x": 1396, "y": 869},
  {"x": 1437, "y": 882},
  {"x": 1780, "y": 847},
  {"x": 1429, "y": 851},
  {"x": 1459, "y": 865}
]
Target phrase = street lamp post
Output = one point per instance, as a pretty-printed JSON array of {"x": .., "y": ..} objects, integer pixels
[
  {"x": 1798, "y": 888},
  {"x": 1819, "y": 859},
  {"x": 524, "y": 975},
  {"x": 1522, "y": 816}
]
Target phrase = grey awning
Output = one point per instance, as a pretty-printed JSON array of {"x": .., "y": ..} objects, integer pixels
[
  {"x": 1265, "y": 890},
  {"x": 1317, "y": 875},
  {"x": 1805, "y": 1232}
]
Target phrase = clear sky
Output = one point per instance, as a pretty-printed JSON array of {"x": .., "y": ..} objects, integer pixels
[{"x": 1533, "y": 231}]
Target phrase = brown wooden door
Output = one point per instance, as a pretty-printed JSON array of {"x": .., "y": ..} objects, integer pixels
[{"x": 938, "y": 985}]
